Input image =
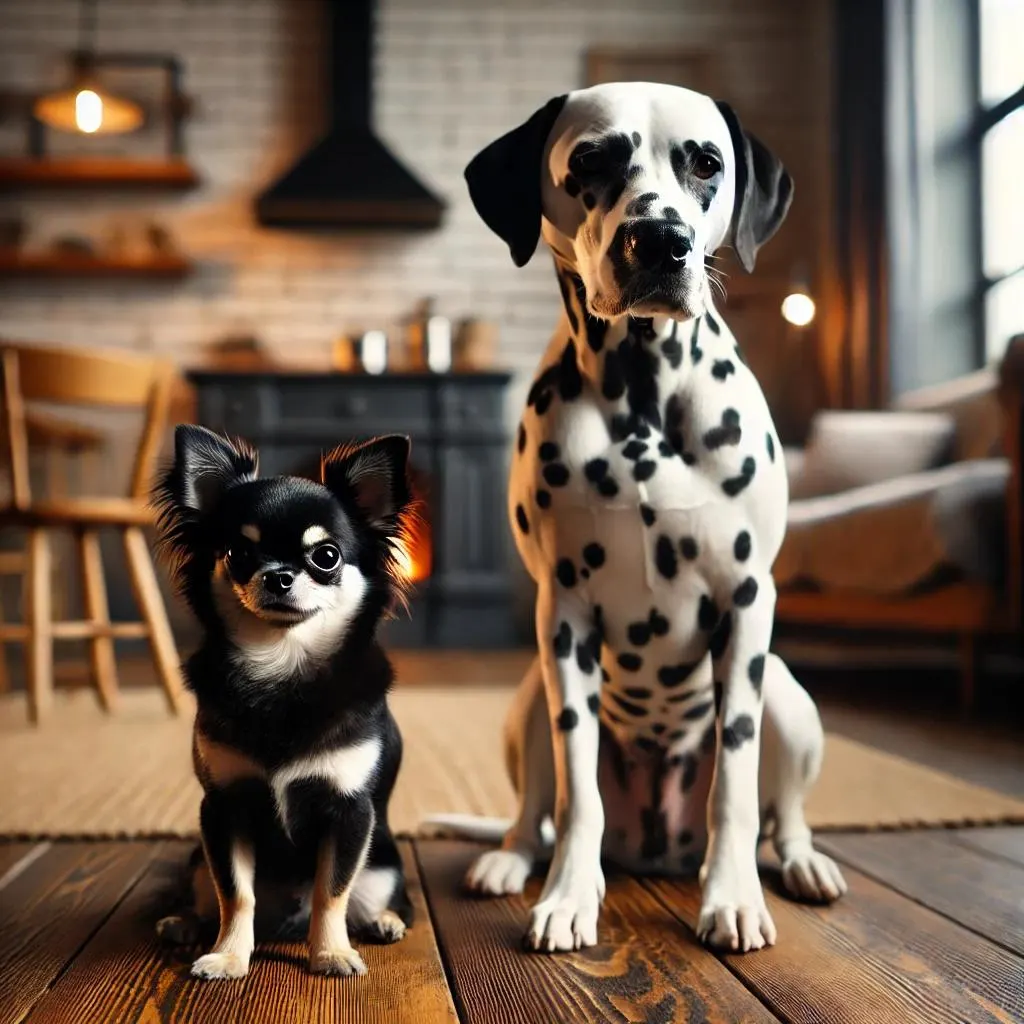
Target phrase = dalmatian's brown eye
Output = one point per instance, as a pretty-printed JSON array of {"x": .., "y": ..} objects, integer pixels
[
  {"x": 706, "y": 166},
  {"x": 586, "y": 161}
]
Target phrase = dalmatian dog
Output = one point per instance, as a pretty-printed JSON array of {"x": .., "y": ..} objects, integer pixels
[{"x": 648, "y": 501}]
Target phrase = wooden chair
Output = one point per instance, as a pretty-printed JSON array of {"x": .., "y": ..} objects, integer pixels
[{"x": 96, "y": 379}]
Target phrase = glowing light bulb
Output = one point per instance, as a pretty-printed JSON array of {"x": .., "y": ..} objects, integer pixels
[
  {"x": 88, "y": 111},
  {"x": 798, "y": 309}
]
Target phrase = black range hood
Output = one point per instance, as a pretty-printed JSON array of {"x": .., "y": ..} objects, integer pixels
[{"x": 349, "y": 178}]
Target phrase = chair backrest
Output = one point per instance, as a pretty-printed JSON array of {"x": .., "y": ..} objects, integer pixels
[{"x": 82, "y": 377}]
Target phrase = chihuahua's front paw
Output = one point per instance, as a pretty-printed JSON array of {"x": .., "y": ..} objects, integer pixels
[
  {"x": 220, "y": 965},
  {"x": 342, "y": 962},
  {"x": 387, "y": 928},
  {"x": 179, "y": 929}
]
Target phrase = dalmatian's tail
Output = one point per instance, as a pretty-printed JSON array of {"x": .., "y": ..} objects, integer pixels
[{"x": 475, "y": 827}]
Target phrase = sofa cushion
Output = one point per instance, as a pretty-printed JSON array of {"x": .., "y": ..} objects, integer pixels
[
  {"x": 889, "y": 537},
  {"x": 854, "y": 449}
]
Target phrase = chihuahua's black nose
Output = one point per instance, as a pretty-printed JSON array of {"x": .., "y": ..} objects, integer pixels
[
  {"x": 278, "y": 582},
  {"x": 658, "y": 245}
]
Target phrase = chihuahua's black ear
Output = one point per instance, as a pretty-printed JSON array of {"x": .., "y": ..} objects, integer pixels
[
  {"x": 375, "y": 477},
  {"x": 206, "y": 465},
  {"x": 504, "y": 181},
  {"x": 764, "y": 191}
]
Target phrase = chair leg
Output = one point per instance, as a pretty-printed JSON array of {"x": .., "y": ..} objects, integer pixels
[
  {"x": 968, "y": 671},
  {"x": 151, "y": 603},
  {"x": 40, "y": 625},
  {"x": 97, "y": 611}
]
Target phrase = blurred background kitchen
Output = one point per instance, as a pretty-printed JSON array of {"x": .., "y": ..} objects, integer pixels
[{"x": 267, "y": 196}]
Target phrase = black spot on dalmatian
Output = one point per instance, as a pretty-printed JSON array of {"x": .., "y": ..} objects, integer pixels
[
  {"x": 721, "y": 368},
  {"x": 638, "y": 693},
  {"x": 556, "y": 474},
  {"x": 738, "y": 732},
  {"x": 522, "y": 439},
  {"x": 665, "y": 557},
  {"x": 585, "y": 657},
  {"x": 689, "y": 458},
  {"x": 640, "y": 370},
  {"x": 568, "y": 719},
  {"x": 739, "y": 354},
  {"x": 524, "y": 523},
  {"x": 665, "y": 450},
  {"x": 595, "y": 470},
  {"x": 565, "y": 572},
  {"x": 697, "y": 712},
  {"x": 570, "y": 382},
  {"x": 596, "y": 329},
  {"x": 672, "y": 349},
  {"x": 707, "y": 614},
  {"x": 636, "y": 139},
  {"x": 572, "y": 186},
  {"x": 685, "y": 837},
  {"x": 674, "y": 424},
  {"x": 593, "y": 555},
  {"x": 585, "y": 573},
  {"x": 657, "y": 728},
  {"x": 673, "y": 675},
  {"x": 636, "y": 710},
  {"x": 741, "y": 546},
  {"x": 594, "y": 703},
  {"x": 728, "y": 432},
  {"x": 630, "y": 662},
  {"x": 657, "y": 622},
  {"x": 719, "y": 692},
  {"x": 644, "y": 470},
  {"x": 696, "y": 352},
  {"x": 755, "y": 670},
  {"x": 604, "y": 675},
  {"x": 743, "y": 596},
  {"x": 563, "y": 287},
  {"x": 608, "y": 488},
  {"x": 690, "y": 764},
  {"x": 548, "y": 451},
  {"x": 720, "y": 637},
  {"x": 655, "y": 830},
  {"x": 598, "y": 626},
  {"x": 638, "y": 633},
  {"x": 634, "y": 449},
  {"x": 676, "y": 735},
  {"x": 641, "y": 206},
  {"x": 671, "y": 214},
  {"x": 563, "y": 641},
  {"x": 648, "y": 515},
  {"x": 770, "y": 444},
  {"x": 543, "y": 403},
  {"x": 734, "y": 485},
  {"x": 543, "y": 498},
  {"x": 712, "y": 324},
  {"x": 688, "y": 548},
  {"x": 589, "y": 200}
]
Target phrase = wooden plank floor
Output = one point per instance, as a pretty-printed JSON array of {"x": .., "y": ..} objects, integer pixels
[{"x": 932, "y": 931}]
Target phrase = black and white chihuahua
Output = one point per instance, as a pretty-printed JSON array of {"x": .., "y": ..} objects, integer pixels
[{"x": 294, "y": 745}]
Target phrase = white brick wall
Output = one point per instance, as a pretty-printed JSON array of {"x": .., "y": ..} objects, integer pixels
[{"x": 450, "y": 75}]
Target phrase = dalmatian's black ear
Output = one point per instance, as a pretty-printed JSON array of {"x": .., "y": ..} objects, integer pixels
[
  {"x": 764, "y": 191},
  {"x": 505, "y": 181}
]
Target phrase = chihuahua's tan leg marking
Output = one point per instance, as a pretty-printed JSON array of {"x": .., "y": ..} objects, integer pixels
[
  {"x": 330, "y": 951},
  {"x": 232, "y": 951}
]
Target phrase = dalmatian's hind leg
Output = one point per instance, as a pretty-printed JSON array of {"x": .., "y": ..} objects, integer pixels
[
  {"x": 531, "y": 767},
  {"x": 792, "y": 745}
]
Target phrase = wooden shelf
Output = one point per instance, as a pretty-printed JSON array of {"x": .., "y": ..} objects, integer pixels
[
  {"x": 15, "y": 264},
  {"x": 95, "y": 172}
]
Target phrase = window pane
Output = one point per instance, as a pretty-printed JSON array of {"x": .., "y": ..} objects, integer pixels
[
  {"x": 1002, "y": 185},
  {"x": 1004, "y": 314},
  {"x": 1002, "y": 45}
]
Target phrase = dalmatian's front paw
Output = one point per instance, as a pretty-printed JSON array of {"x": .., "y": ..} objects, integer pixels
[
  {"x": 733, "y": 914},
  {"x": 810, "y": 875},
  {"x": 499, "y": 873},
  {"x": 566, "y": 916}
]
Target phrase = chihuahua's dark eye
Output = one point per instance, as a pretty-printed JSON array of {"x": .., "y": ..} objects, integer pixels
[
  {"x": 240, "y": 551},
  {"x": 706, "y": 166},
  {"x": 324, "y": 557}
]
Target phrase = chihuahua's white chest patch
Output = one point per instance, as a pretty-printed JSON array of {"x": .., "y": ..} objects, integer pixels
[{"x": 348, "y": 770}]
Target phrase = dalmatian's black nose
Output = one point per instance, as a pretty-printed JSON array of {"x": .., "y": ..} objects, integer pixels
[
  {"x": 658, "y": 245},
  {"x": 278, "y": 582}
]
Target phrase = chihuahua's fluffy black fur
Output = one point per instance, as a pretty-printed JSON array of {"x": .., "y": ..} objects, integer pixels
[{"x": 294, "y": 744}]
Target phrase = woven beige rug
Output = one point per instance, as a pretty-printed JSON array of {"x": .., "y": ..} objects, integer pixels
[{"x": 87, "y": 774}]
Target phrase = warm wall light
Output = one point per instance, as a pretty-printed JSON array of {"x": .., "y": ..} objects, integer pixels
[{"x": 798, "y": 309}]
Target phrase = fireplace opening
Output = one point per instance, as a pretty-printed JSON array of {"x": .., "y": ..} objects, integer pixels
[{"x": 414, "y": 552}]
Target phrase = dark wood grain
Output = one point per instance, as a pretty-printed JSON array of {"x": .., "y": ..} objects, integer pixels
[
  {"x": 980, "y": 892},
  {"x": 53, "y": 907},
  {"x": 405, "y": 983},
  {"x": 875, "y": 957},
  {"x": 12, "y": 854},
  {"x": 1007, "y": 843},
  {"x": 647, "y": 968}
]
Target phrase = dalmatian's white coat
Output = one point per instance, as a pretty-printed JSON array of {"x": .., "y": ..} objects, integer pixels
[{"x": 648, "y": 501}]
